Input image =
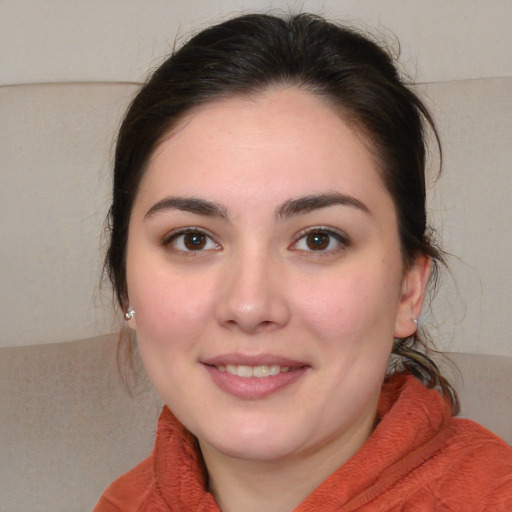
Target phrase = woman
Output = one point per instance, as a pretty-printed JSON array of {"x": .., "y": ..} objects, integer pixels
[{"x": 270, "y": 250}]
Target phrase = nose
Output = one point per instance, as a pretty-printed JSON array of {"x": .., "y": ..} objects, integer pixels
[{"x": 252, "y": 294}]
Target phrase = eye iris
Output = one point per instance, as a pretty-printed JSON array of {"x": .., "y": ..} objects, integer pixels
[
  {"x": 317, "y": 241},
  {"x": 194, "y": 241}
]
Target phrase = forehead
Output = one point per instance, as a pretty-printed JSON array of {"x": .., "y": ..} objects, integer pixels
[{"x": 284, "y": 141}]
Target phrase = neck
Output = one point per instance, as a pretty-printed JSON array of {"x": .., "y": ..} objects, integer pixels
[{"x": 277, "y": 485}]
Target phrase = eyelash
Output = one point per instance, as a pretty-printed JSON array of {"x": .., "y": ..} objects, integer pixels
[
  {"x": 342, "y": 241},
  {"x": 171, "y": 238}
]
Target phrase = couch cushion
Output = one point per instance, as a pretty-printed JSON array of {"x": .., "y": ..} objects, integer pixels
[
  {"x": 68, "y": 426},
  {"x": 484, "y": 384}
]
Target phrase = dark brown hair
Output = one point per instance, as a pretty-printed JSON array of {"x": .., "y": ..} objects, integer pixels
[{"x": 251, "y": 53}]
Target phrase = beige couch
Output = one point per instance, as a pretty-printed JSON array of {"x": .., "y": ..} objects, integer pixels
[{"x": 68, "y": 426}]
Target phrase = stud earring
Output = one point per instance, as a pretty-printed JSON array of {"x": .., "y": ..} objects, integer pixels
[
  {"x": 130, "y": 313},
  {"x": 415, "y": 320}
]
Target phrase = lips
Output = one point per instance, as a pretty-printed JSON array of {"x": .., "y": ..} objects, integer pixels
[{"x": 252, "y": 377}]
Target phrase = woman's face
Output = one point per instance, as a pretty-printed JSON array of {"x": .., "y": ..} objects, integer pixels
[{"x": 265, "y": 270}]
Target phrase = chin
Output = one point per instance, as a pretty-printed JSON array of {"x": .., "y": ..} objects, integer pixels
[
  {"x": 263, "y": 445},
  {"x": 254, "y": 451}
]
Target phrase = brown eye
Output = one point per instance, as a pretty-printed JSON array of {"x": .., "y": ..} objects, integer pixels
[
  {"x": 317, "y": 241},
  {"x": 190, "y": 240},
  {"x": 321, "y": 240},
  {"x": 194, "y": 241}
]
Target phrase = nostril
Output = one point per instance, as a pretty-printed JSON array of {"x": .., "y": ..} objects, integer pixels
[
  {"x": 267, "y": 325},
  {"x": 263, "y": 326}
]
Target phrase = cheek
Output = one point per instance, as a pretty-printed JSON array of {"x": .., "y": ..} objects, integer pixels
[
  {"x": 356, "y": 302},
  {"x": 170, "y": 309}
]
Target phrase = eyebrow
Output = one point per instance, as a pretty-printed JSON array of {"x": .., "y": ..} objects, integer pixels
[
  {"x": 290, "y": 208},
  {"x": 313, "y": 202},
  {"x": 189, "y": 204}
]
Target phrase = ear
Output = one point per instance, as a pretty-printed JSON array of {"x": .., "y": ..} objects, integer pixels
[{"x": 413, "y": 293}]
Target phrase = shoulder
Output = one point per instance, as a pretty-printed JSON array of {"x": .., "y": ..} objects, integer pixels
[
  {"x": 473, "y": 466},
  {"x": 471, "y": 440},
  {"x": 440, "y": 461},
  {"x": 130, "y": 492}
]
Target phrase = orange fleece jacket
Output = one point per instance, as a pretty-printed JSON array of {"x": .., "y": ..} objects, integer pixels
[{"x": 419, "y": 458}]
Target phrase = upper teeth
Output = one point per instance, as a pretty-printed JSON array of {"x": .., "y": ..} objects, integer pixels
[{"x": 253, "y": 371}]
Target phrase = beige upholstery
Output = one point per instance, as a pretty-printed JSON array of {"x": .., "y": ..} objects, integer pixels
[
  {"x": 68, "y": 427},
  {"x": 484, "y": 385},
  {"x": 55, "y": 163}
]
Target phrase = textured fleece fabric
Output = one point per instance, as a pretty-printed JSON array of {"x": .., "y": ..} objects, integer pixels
[{"x": 419, "y": 458}]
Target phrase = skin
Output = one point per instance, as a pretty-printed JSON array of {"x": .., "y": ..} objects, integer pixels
[{"x": 257, "y": 286}]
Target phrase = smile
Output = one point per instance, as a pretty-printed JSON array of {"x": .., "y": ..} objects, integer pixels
[
  {"x": 240, "y": 377},
  {"x": 259, "y": 371}
]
